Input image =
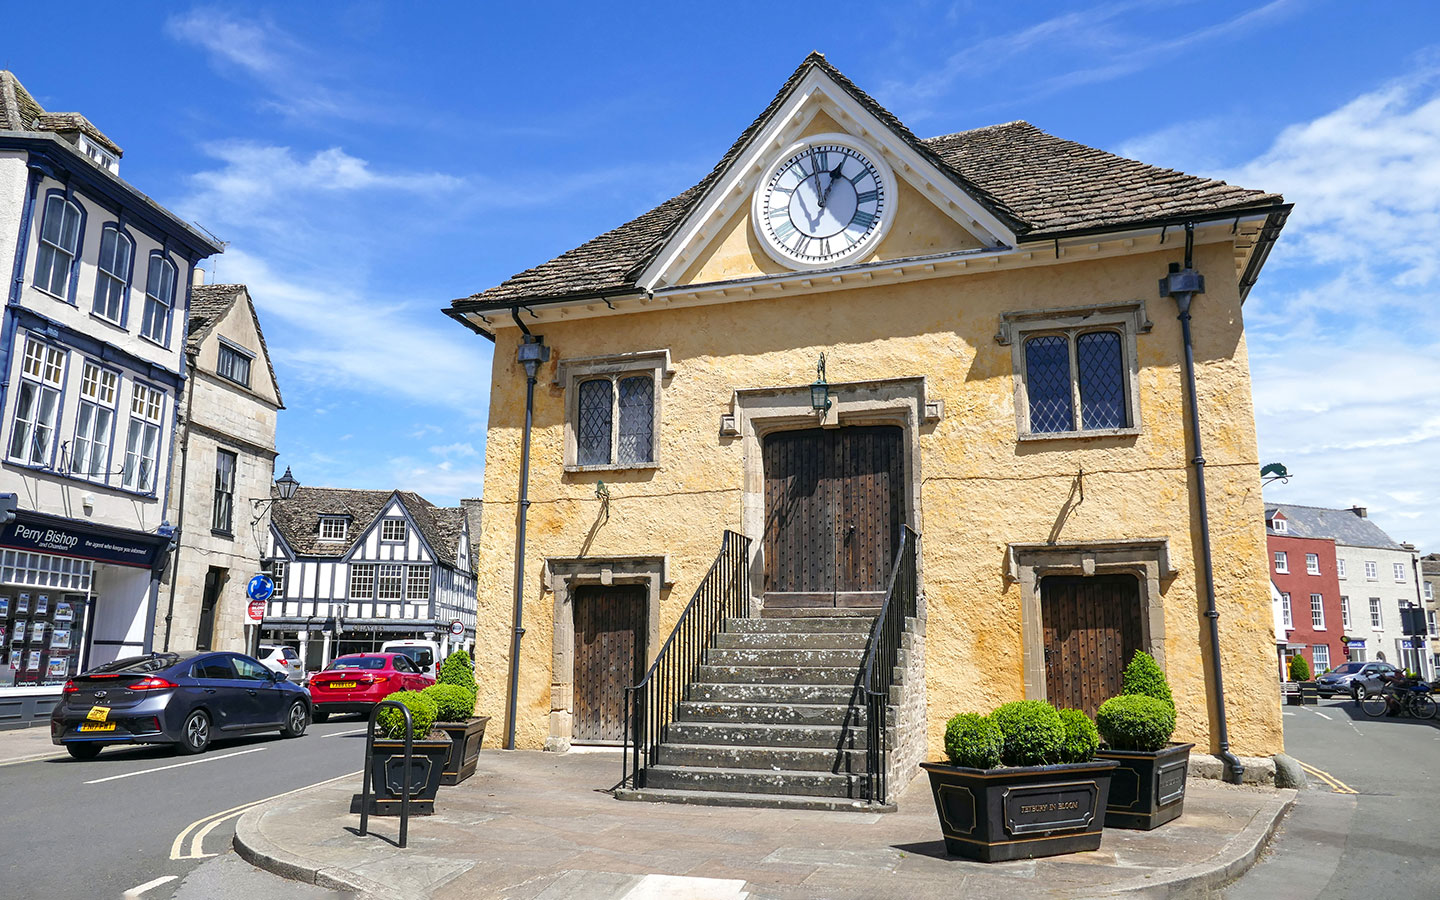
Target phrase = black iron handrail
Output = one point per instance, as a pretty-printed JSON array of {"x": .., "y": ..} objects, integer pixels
[
  {"x": 404, "y": 777},
  {"x": 881, "y": 655},
  {"x": 650, "y": 705}
]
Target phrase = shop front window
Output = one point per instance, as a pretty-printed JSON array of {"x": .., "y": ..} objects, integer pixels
[{"x": 42, "y": 625}]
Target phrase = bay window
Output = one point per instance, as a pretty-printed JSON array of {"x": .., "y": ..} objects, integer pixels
[
  {"x": 94, "y": 422},
  {"x": 37, "y": 403},
  {"x": 142, "y": 442}
]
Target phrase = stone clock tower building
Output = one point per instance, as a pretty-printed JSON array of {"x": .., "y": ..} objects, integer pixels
[{"x": 862, "y": 431}]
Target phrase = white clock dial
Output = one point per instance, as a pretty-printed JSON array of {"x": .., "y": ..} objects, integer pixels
[{"x": 824, "y": 202}]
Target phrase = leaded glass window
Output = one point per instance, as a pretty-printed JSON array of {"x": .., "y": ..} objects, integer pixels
[
  {"x": 592, "y": 427},
  {"x": 1076, "y": 381},
  {"x": 637, "y": 420}
]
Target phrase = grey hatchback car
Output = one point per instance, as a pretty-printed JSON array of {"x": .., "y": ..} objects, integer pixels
[
  {"x": 1354, "y": 678},
  {"x": 183, "y": 699}
]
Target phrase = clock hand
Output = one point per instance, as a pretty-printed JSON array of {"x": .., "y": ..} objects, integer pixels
[
  {"x": 816, "y": 166},
  {"x": 834, "y": 174}
]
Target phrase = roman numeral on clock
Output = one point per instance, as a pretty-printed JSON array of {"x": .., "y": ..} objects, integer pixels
[
  {"x": 863, "y": 219},
  {"x": 783, "y": 230},
  {"x": 867, "y": 196}
]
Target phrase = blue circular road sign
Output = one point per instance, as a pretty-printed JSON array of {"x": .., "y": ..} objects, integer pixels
[{"x": 260, "y": 588}]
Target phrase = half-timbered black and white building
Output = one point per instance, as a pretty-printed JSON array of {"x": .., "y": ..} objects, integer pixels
[{"x": 355, "y": 568}]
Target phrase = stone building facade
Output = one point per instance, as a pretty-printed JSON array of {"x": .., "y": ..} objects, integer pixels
[
  {"x": 677, "y": 398},
  {"x": 223, "y": 472}
]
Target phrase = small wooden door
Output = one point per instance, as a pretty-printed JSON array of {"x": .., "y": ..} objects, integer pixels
[
  {"x": 834, "y": 504},
  {"x": 1092, "y": 629},
  {"x": 609, "y": 657}
]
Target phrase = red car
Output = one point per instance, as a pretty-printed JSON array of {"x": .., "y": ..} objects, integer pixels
[{"x": 355, "y": 683}]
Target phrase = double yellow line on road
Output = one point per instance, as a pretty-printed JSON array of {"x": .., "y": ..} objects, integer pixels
[
  {"x": 1336, "y": 785},
  {"x": 195, "y": 833}
]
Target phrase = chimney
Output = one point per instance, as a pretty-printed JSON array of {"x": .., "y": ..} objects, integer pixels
[
  {"x": 472, "y": 509},
  {"x": 198, "y": 278},
  {"x": 1359, "y": 511}
]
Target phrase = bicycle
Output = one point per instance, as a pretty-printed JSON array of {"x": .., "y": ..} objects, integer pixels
[{"x": 1408, "y": 698}]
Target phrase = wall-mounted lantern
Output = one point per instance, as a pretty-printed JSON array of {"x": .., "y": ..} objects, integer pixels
[{"x": 820, "y": 391}]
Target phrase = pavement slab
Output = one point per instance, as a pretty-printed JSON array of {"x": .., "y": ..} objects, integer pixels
[{"x": 540, "y": 826}]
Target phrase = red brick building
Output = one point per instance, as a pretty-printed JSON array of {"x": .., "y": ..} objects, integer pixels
[{"x": 1304, "y": 571}]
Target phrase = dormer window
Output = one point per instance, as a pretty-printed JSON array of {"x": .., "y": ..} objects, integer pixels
[
  {"x": 1279, "y": 525},
  {"x": 334, "y": 528},
  {"x": 102, "y": 157}
]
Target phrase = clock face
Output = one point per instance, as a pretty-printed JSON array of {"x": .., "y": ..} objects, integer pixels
[{"x": 825, "y": 202}]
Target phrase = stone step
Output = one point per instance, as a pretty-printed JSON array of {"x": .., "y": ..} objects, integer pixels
[
  {"x": 772, "y": 713},
  {"x": 799, "y": 640},
  {"x": 754, "y": 801},
  {"x": 756, "y": 781},
  {"x": 781, "y": 625},
  {"x": 742, "y": 674},
  {"x": 802, "y": 759},
  {"x": 862, "y": 612},
  {"x": 733, "y": 734},
  {"x": 849, "y": 659},
  {"x": 771, "y": 693}
]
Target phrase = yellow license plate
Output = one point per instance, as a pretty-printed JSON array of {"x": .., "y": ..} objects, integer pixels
[
  {"x": 98, "y": 713},
  {"x": 342, "y": 684},
  {"x": 97, "y": 726}
]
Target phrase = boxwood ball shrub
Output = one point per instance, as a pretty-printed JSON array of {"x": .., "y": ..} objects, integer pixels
[
  {"x": 1299, "y": 668},
  {"x": 453, "y": 703},
  {"x": 1143, "y": 676},
  {"x": 423, "y": 710},
  {"x": 1135, "y": 722},
  {"x": 974, "y": 741},
  {"x": 1081, "y": 738},
  {"x": 458, "y": 669},
  {"x": 1032, "y": 731}
]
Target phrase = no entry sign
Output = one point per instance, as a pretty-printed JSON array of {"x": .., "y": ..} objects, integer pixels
[{"x": 255, "y": 611}]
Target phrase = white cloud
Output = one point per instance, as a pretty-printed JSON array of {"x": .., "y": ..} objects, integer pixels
[{"x": 456, "y": 449}]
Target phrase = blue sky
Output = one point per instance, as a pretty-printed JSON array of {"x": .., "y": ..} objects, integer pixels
[{"x": 368, "y": 162}]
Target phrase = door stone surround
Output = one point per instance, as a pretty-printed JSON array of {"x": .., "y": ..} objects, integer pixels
[{"x": 562, "y": 577}]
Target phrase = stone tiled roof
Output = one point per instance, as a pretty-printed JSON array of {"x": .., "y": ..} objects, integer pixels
[
  {"x": 298, "y": 520},
  {"x": 1341, "y": 525},
  {"x": 208, "y": 305},
  {"x": 20, "y": 112},
  {"x": 1037, "y": 183}
]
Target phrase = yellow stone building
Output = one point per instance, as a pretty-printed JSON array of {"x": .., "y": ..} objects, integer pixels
[{"x": 998, "y": 375}]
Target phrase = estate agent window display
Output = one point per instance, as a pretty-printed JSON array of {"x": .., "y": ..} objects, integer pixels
[{"x": 41, "y": 634}]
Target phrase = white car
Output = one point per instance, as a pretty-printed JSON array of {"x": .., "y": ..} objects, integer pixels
[
  {"x": 282, "y": 659},
  {"x": 424, "y": 654}
]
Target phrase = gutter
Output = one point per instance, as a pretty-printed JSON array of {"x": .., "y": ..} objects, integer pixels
[{"x": 1183, "y": 285}]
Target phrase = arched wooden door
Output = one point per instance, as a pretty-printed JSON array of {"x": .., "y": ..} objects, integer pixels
[
  {"x": 1092, "y": 629},
  {"x": 834, "y": 504}
]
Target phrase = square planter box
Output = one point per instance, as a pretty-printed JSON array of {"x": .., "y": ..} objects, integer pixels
[
  {"x": 465, "y": 738},
  {"x": 387, "y": 767},
  {"x": 993, "y": 815},
  {"x": 1147, "y": 789}
]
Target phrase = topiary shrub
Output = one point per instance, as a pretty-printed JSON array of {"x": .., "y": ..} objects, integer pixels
[
  {"x": 1081, "y": 738},
  {"x": 391, "y": 723},
  {"x": 974, "y": 741},
  {"x": 1299, "y": 668},
  {"x": 1135, "y": 722},
  {"x": 453, "y": 703},
  {"x": 458, "y": 669},
  {"x": 1032, "y": 731},
  {"x": 1143, "y": 677}
]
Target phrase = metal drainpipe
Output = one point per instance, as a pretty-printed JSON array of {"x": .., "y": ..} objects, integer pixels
[
  {"x": 531, "y": 353},
  {"x": 180, "y": 511},
  {"x": 1183, "y": 285}
]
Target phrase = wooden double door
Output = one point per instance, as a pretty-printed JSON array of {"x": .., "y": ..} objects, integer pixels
[
  {"x": 834, "y": 505},
  {"x": 1092, "y": 629},
  {"x": 610, "y": 626}
]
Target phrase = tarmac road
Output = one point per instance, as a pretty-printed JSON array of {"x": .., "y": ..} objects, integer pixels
[
  {"x": 147, "y": 818},
  {"x": 1379, "y": 841}
]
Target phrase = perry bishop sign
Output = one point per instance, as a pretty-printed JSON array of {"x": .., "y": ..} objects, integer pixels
[{"x": 47, "y": 538}]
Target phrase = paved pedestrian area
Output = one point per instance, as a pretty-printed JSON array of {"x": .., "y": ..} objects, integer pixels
[{"x": 540, "y": 826}]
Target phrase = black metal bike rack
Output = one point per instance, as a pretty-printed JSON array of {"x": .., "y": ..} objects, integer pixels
[{"x": 404, "y": 778}]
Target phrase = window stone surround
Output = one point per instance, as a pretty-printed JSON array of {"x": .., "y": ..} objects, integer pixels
[
  {"x": 562, "y": 577},
  {"x": 1148, "y": 559},
  {"x": 570, "y": 372}
]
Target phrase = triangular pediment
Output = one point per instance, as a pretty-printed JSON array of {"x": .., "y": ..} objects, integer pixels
[{"x": 930, "y": 210}]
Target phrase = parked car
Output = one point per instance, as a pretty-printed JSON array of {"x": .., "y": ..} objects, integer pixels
[
  {"x": 282, "y": 659},
  {"x": 424, "y": 654},
  {"x": 1354, "y": 678},
  {"x": 355, "y": 683},
  {"x": 183, "y": 699}
]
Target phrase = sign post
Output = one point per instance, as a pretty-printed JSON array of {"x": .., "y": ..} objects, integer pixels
[{"x": 259, "y": 590}]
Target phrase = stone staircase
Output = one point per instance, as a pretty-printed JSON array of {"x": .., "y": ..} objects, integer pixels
[{"x": 775, "y": 719}]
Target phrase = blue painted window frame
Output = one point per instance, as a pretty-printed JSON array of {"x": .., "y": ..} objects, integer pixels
[
  {"x": 102, "y": 276},
  {"x": 23, "y": 379},
  {"x": 160, "y": 258},
  {"x": 137, "y": 385},
  {"x": 104, "y": 476},
  {"x": 71, "y": 282}
]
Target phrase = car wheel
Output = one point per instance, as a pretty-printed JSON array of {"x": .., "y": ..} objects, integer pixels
[
  {"x": 319, "y": 716},
  {"x": 197, "y": 734},
  {"x": 295, "y": 720},
  {"x": 84, "y": 751},
  {"x": 1359, "y": 692}
]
